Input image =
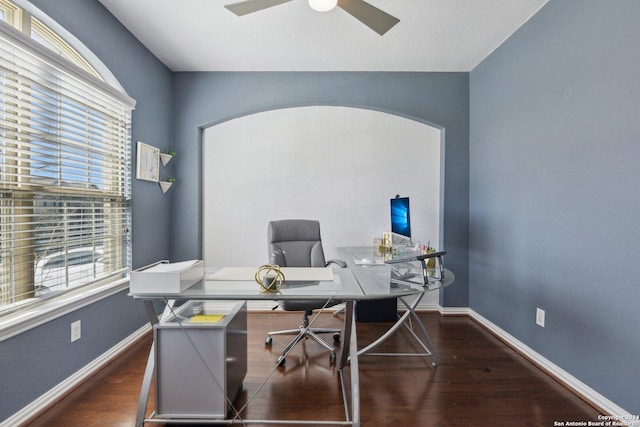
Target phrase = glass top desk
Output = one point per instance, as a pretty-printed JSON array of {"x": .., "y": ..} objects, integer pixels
[
  {"x": 377, "y": 278},
  {"x": 344, "y": 287}
]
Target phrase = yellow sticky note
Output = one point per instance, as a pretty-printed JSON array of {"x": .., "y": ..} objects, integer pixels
[{"x": 207, "y": 318}]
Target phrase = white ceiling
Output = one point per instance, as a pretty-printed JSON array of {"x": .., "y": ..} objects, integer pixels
[{"x": 433, "y": 35}]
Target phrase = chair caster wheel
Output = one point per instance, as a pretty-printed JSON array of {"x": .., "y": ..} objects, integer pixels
[
  {"x": 332, "y": 357},
  {"x": 268, "y": 341},
  {"x": 336, "y": 337},
  {"x": 281, "y": 361}
]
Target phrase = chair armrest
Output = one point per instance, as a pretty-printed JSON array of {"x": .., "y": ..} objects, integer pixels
[{"x": 338, "y": 262}]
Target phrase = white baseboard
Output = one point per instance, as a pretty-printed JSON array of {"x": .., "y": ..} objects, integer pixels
[
  {"x": 453, "y": 311},
  {"x": 572, "y": 383},
  {"x": 50, "y": 397}
]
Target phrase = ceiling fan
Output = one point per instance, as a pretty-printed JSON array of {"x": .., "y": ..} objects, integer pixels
[{"x": 369, "y": 15}]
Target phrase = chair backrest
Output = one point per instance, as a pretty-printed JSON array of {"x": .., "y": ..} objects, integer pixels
[{"x": 295, "y": 243}]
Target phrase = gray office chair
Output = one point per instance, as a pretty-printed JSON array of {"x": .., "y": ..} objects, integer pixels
[{"x": 297, "y": 243}]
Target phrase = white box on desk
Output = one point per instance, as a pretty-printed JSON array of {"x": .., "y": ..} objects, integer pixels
[{"x": 163, "y": 277}]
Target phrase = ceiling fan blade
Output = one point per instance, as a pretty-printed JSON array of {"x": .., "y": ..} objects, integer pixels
[
  {"x": 369, "y": 15},
  {"x": 250, "y": 6}
]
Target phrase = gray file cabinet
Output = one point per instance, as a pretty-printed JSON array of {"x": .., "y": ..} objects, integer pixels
[{"x": 200, "y": 365}]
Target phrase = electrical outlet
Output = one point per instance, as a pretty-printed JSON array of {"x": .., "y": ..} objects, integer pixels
[
  {"x": 540, "y": 317},
  {"x": 76, "y": 331}
]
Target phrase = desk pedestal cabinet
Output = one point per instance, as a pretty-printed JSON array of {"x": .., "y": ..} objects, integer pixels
[{"x": 200, "y": 366}]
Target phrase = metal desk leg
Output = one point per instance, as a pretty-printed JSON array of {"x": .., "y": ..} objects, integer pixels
[
  {"x": 394, "y": 328},
  {"x": 146, "y": 387},
  {"x": 402, "y": 322},
  {"x": 349, "y": 355},
  {"x": 427, "y": 345},
  {"x": 346, "y": 334},
  {"x": 149, "y": 370},
  {"x": 355, "y": 373}
]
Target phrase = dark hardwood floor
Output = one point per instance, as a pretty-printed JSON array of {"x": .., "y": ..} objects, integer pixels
[{"x": 479, "y": 381}]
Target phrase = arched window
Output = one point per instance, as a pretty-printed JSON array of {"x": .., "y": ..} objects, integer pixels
[
  {"x": 31, "y": 26},
  {"x": 46, "y": 37},
  {"x": 64, "y": 166}
]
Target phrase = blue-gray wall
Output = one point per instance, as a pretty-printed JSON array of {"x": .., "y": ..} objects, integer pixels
[
  {"x": 555, "y": 190},
  {"x": 35, "y": 361},
  {"x": 440, "y": 99},
  {"x": 548, "y": 219}
]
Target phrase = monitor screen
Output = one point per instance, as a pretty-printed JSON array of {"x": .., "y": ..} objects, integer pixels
[{"x": 400, "y": 216}]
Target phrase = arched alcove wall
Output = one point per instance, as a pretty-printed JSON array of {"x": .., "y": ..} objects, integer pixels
[{"x": 338, "y": 165}]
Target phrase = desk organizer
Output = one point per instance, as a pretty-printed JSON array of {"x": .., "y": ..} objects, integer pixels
[{"x": 164, "y": 277}]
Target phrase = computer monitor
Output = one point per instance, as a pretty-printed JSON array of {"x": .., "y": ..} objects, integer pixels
[{"x": 400, "y": 216}]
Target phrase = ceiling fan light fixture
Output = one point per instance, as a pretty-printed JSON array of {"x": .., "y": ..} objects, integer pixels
[{"x": 322, "y": 5}]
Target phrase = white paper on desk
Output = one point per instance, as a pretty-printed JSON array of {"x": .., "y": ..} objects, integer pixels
[
  {"x": 295, "y": 274},
  {"x": 171, "y": 267}
]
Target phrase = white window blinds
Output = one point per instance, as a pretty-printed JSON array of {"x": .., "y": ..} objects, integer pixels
[{"x": 64, "y": 173}]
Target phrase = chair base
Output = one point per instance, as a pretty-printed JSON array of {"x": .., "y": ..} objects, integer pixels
[{"x": 305, "y": 332}]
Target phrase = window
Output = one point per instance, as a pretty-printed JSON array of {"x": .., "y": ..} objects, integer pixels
[
  {"x": 38, "y": 31},
  {"x": 64, "y": 167}
]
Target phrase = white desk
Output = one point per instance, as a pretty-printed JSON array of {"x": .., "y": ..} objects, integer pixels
[{"x": 344, "y": 287}]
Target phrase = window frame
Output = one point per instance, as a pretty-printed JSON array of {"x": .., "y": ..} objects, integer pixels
[
  {"x": 19, "y": 317},
  {"x": 12, "y": 14}
]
